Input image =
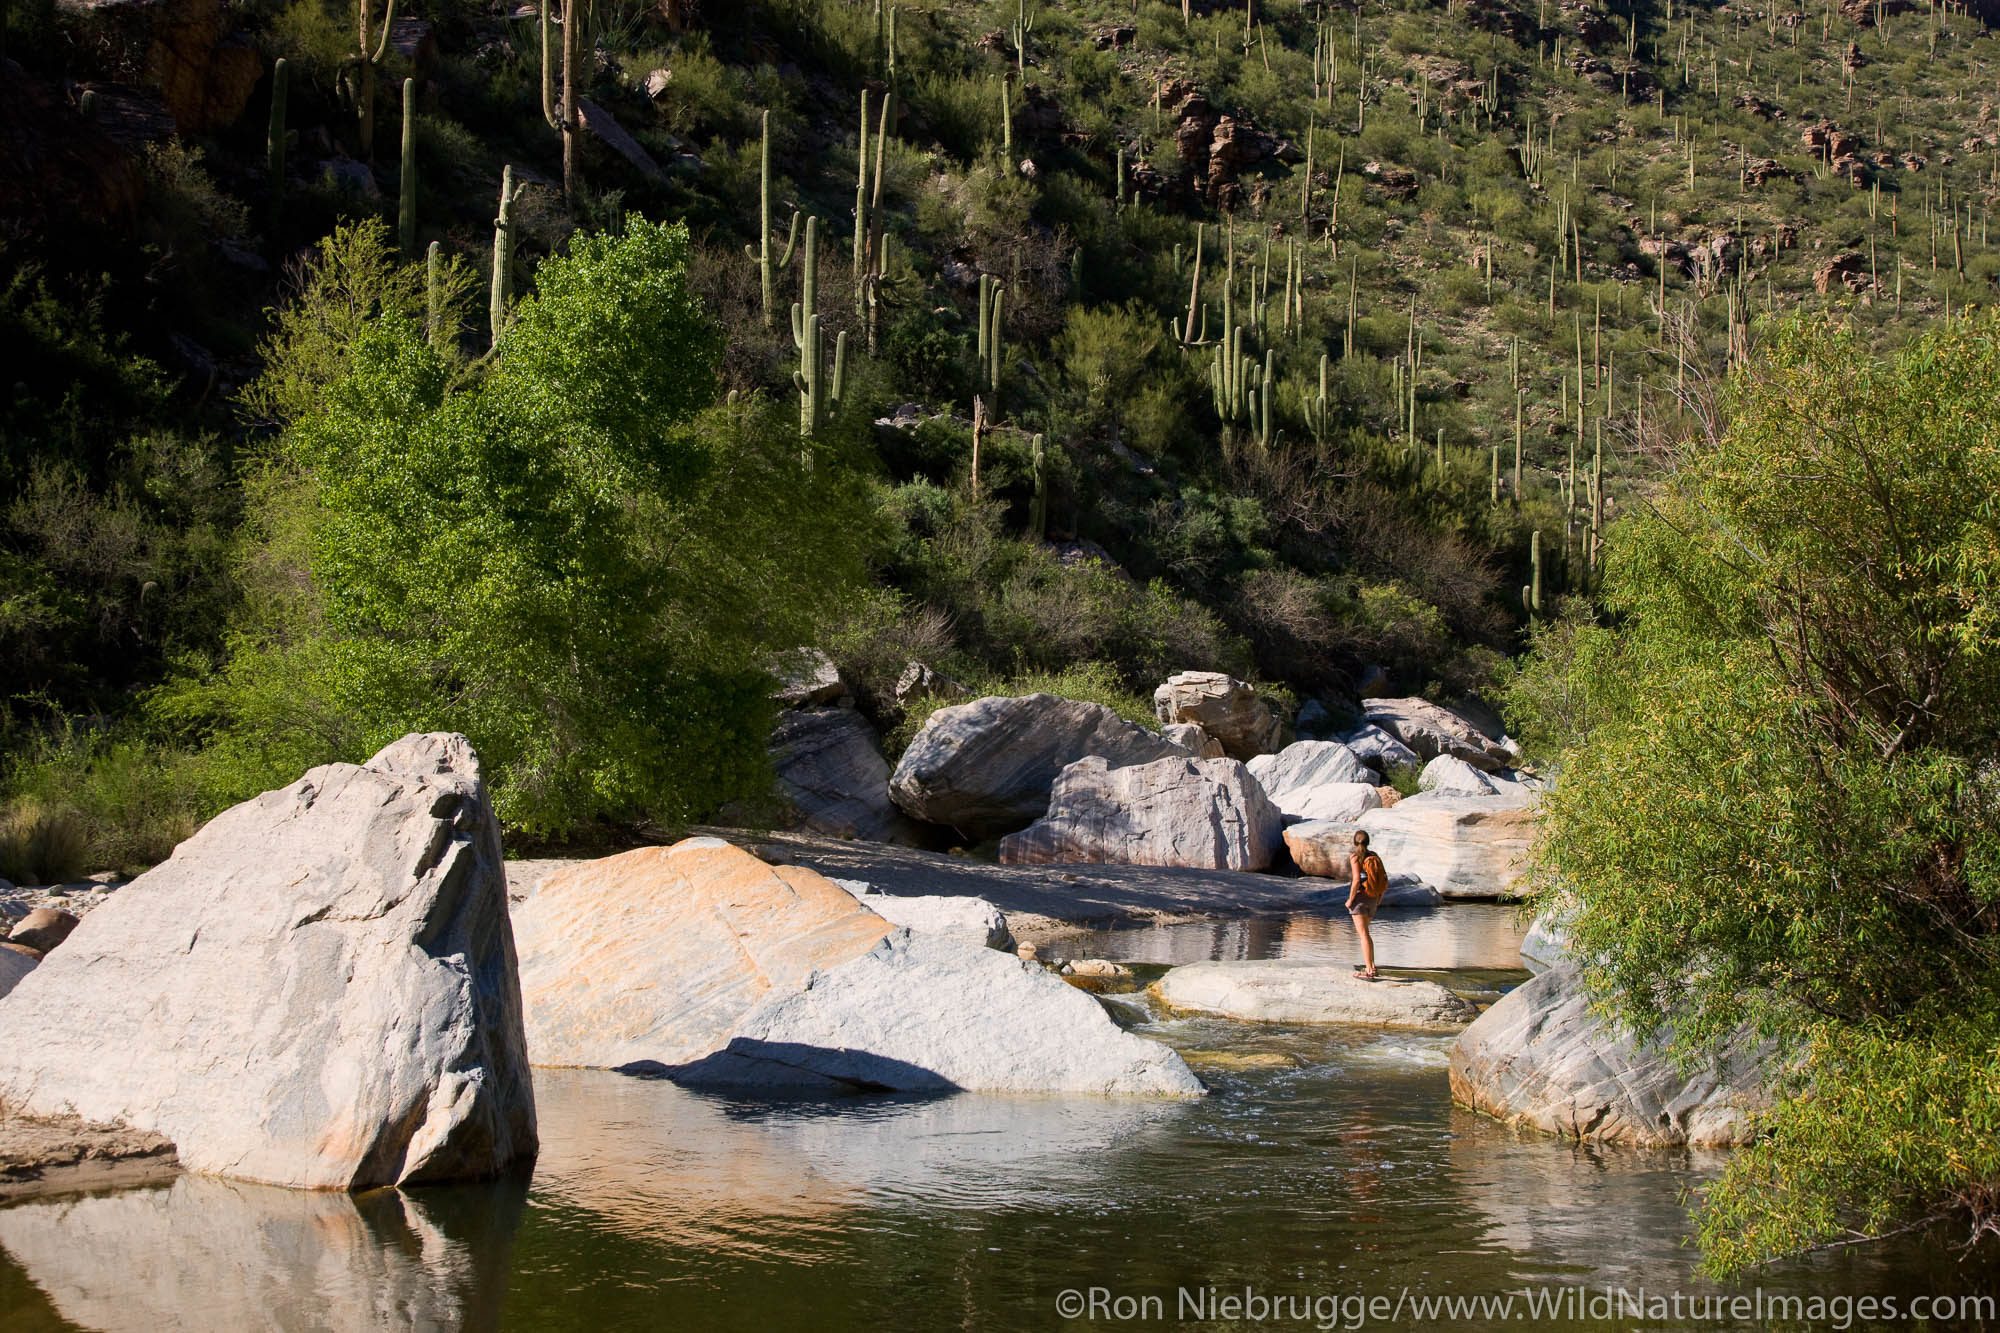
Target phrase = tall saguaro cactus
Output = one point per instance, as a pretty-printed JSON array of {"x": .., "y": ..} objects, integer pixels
[
  {"x": 1531, "y": 595},
  {"x": 760, "y": 254},
  {"x": 502, "y": 293},
  {"x": 274, "y": 143},
  {"x": 406, "y": 182},
  {"x": 817, "y": 398},
  {"x": 364, "y": 97},
  {"x": 561, "y": 116}
]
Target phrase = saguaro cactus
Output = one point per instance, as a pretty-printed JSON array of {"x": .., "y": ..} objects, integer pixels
[
  {"x": 406, "y": 181},
  {"x": 274, "y": 142},
  {"x": 1531, "y": 595},
  {"x": 760, "y": 254},
  {"x": 1038, "y": 508},
  {"x": 561, "y": 116},
  {"x": 364, "y": 96},
  {"x": 502, "y": 294},
  {"x": 990, "y": 295},
  {"x": 817, "y": 398},
  {"x": 434, "y": 294}
]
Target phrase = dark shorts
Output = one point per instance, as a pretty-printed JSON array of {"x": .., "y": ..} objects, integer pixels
[{"x": 1365, "y": 908}]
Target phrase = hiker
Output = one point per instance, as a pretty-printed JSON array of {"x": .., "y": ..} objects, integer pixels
[{"x": 1364, "y": 895}]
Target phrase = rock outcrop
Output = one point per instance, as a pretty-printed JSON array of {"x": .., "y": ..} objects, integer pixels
[
  {"x": 1224, "y": 707},
  {"x": 1546, "y": 944},
  {"x": 1464, "y": 846},
  {"x": 921, "y": 1013},
  {"x": 1286, "y": 990},
  {"x": 1205, "y": 813},
  {"x": 829, "y": 765},
  {"x": 1311, "y": 780},
  {"x": 204, "y": 73},
  {"x": 1539, "y": 1058},
  {"x": 318, "y": 989},
  {"x": 1431, "y": 731},
  {"x": 986, "y": 767},
  {"x": 654, "y": 955}
]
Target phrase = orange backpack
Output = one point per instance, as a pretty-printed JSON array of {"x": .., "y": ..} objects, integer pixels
[{"x": 1375, "y": 875}]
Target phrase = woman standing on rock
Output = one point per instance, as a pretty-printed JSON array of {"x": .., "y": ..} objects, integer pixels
[{"x": 1364, "y": 895}]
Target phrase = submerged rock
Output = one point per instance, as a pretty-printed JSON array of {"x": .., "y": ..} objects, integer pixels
[
  {"x": 986, "y": 767},
  {"x": 318, "y": 989},
  {"x": 829, "y": 765},
  {"x": 1224, "y": 707},
  {"x": 1205, "y": 813},
  {"x": 1539, "y": 1058},
  {"x": 919, "y": 1013},
  {"x": 1286, "y": 990}
]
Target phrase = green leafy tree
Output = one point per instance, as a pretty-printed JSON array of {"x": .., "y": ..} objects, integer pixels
[
  {"x": 1779, "y": 799},
  {"x": 572, "y": 558}
]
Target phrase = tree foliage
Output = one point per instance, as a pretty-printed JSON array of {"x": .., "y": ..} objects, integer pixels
[
  {"x": 571, "y": 558},
  {"x": 1779, "y": 799}
]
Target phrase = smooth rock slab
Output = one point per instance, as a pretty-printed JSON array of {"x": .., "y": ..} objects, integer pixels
[
  {"x": 986, "y": 767},
  {"x": 1204, "y": 813},
  {"x": 1538, "y": 1058},
  {"x": 318, "y": 989},
  {"x": 1469, "y": 847},
  {"x": 1285, "y": 990},
  {"x": 1431, "y": 731},
  {"x": 923, "y": 1013},
  {"x": 653, "y": 956},
  {"x": 829, "y": 765}
]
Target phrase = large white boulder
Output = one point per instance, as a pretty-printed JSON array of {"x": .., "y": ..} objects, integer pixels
[
  {"x": 1224, "y": 707},
  {"x": 1288, "y": 990},
  {"x": 920, "y": 1012},
  {"x": 829, "y": 765},
  {"x": 1431, "y": 731},
  {"x": 701, "y": 962},
  {"x": 1539, "y": 1058},
  {"x": 318, "y": 989},
  {"x": 1449, "y": 776},
  {"x": 1206, "y": 813},
  {"x": 986, "y": 767},
  {"x": 1464, "y": 846},
  {"x": 652, "y": 956},
  {"x": 1546, "y": 944}
]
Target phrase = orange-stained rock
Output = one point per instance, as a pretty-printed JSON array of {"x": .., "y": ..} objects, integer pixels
[{"x": 653, "y": 956}]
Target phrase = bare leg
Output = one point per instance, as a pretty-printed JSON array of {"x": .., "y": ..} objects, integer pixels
[{"x": 1361, "y": 924}]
